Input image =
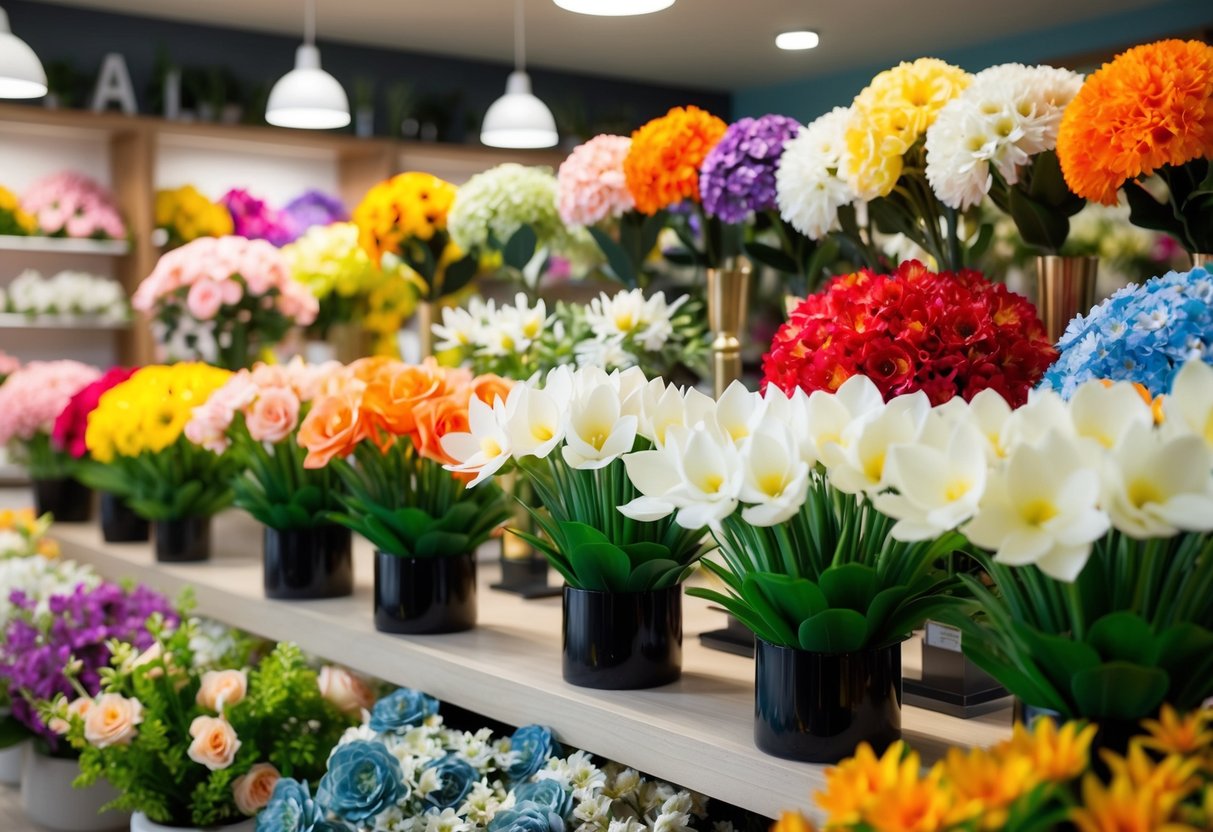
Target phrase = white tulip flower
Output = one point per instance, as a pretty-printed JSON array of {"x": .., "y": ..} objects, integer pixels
[
  {"x": 857, "y": 464},
  {"x": 938, "y": 489},
  {"x": 710, "y": 469},
  {"x": 534, "y": 424},
  {"x": 1104, "y": 414},
  {"x": 738, "y": 411},
  {"x": 485, "y": 448},
  {"x": 1158, "y": 486},
  {"x": 656, "y": 475},
  {"x": 597, "y": 433},
  {"x": 1045, "y": 412},
  {"x": 775, "y": 480},
  {"x": 989, "y": 413},
  {"x": 825, "y": 416},
  {"x": 1190, "y": 406}
]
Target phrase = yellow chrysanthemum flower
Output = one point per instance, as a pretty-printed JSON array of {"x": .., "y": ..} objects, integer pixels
[
  {"x": 186, "y": 214},
  {"x": 13, "y": 220},
  {"x": 408, "y": 207}
]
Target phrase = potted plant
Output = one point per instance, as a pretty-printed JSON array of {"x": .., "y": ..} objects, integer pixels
[
  {"x": 255, "y": 416},
  {"x": 30, "y": 401},
  {"x": 380, "y": 430},
  {"x": 623, "y": 578},
  {"x": 199, "y": 747},
  {"x": 136, "y": 435}
]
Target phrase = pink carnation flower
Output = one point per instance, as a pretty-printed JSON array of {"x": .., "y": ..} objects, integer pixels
[
  {"x": 590, "y": 183},
  {"x": 70, "y": 204},
  {"x": 34, "y": 396}
]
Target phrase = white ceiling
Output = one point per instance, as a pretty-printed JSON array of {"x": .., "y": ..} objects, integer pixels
[{"x": 720, "y": 44}]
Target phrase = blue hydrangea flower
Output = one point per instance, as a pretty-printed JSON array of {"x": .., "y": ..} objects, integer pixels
[
  {"x": 291, "y": 809},
  {"x": 548, "y": 794},
  {"x": 405, "y": 708},
  {"x": 455, "y": 777},
  {"x": 526, "y": 817},
  {"x": 363, "y": 780},
  {"x": 531, "y": 745},
  {"x": 1143, "y": 333}
]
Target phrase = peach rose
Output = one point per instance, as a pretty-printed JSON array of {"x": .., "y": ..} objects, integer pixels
[
  {"x": 252, "y": 791},
  {"x": 273, "y": 415},
  {"x": 222, "y": 687},
  {"x": 215, "y": 742},
  {"x": 435, "y": 419},
  {"x": 204, "y": 300},
  {"x": 391, "y": 397},
  {"x": 333, "y": 427},
  {"x": 111, "y": 720},
  {"x": 78, "y": 707},
  {"x": 491, "y": 386},
  {"x": 345, "y": 690}
]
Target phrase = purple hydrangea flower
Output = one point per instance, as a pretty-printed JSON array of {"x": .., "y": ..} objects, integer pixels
[
  {"x": 255, "y": 219},
  {"x": 738, "y": 176},
  {"x": 314, "y": 207}
]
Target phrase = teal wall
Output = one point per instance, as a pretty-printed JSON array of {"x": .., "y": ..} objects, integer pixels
[{"x": 810, "y": 97}]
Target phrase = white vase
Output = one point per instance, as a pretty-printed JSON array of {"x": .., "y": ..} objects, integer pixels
[
  {"x": 49, "y": 800},
  {"x": 10, "y": 763},
  {"x": 140, "y": 823}
]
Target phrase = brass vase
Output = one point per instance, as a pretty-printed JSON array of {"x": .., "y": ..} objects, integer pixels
[
  {"x": 728, "y": 301},
  {"x": 350, "y": 342},
  {"x": 425, "y": 327},
  {"x": 1065, "y": 287},
  {"x": 1203, "y": 260}
]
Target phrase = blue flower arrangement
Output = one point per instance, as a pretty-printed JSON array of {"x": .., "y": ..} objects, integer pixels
[{"x": 1144, "y": 333}]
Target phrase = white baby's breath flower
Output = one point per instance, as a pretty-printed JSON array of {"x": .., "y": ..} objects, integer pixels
[{"x": 809, "y": 186}]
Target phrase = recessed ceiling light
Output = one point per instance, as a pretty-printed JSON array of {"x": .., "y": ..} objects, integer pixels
[
  {"x": 797, "y": 39},
  {"x": 614, "y": 8}
]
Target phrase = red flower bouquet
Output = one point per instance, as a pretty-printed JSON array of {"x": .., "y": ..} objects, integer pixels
[
  {"x": 68, "y": 432},
  {"x": 946, "y": 333}
]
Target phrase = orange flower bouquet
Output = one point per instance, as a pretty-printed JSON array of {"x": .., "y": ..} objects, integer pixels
[
  {"x": 381, "y": 428},
  {"x": 1148, "y": 112}
]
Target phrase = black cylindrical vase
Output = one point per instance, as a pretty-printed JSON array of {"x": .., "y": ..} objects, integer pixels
[
  {"x": 308, "y": 563},
  {"x": 817, "y": 707},
  {"x": 425, "y": 596},
  {"x": 184, "y": 540},
  {"x": 622, "y": 640},
  {"x": 69, "y": 500},
  {"x": 119, "y": 523}
]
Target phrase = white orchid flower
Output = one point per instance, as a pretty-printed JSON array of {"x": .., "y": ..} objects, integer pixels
[
  {"x": 1041, "y": 508},
  {"x": 938, "y": 488},
  {"x": 1190, "y": 406},
  {"x": 597, "y": 433},
  {"x": 485, "y": 448},
  {"x": 1158, "y": 486},
  {"x": 775, "y": 480}
]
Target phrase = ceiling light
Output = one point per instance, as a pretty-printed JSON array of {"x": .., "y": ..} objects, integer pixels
[
  {"x": 21, "y": 73},
  {"x": 614, "y": 8},
  {"x": 518, "y": 119},
  {"x": 797, "y": 39},
  {"x": 307, "y": 97}
]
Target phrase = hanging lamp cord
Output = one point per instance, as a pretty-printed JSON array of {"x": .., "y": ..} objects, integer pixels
[
  {"x": 309, "y": 22},
  {"x": 519, "y": 36}
]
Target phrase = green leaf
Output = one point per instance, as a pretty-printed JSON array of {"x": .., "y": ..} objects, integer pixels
[
  {"x": 752, "y": 593},
  {"x": 883, "y": 604},
  {"x": 1058, "y": 657},
  {"x": 1119, "y": 690},
  {"x": 458, "y": 274},
  {"x": 823, "y": 259},
  {"x": 1038, "y": 224},
  {"x": 849, "y": 586},
  {"x": 574, "y": 534},
  {"x": 1185, "y": 652},
  {"x": 600, "y": 566},
  {"x": 1123, "y": 636},
  {"x": 834, "y": 631},
  {"x": 438, "y": 544},
  {"x": 738, "y": 609},
  {"x": 794, "y": 599},
  {"x": 1147, "y": 212},
  {"x": 773, "y": 257},
  {"x": 654, "y": 574},
  {"x": 520, "y": 248},
  {"x": 617, "y": 259},
  {"x": 1049, "y": 186},
  {"x": 640, "y": 553}
]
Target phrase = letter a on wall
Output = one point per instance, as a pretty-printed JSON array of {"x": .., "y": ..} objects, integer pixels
[{"x": 114, "y": 86}]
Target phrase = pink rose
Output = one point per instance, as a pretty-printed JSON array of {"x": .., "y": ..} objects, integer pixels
[
  {"x": 220, "y": 688},
  {"x": 204, "y": 300},
  {"x": 208, "y": 426},
  {"x": 252, "y": 791},
  {"x": 111, "y": 720},
  {"x": 215, "y": 742},
  {"x": 346, "y": 691},
  {"x": 274, "y": 415}
]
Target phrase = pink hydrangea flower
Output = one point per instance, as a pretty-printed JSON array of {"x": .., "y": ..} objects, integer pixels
[{"x": 590, "y": 184}]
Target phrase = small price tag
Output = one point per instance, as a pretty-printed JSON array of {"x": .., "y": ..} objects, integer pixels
[{"x": 943, "y": 636}]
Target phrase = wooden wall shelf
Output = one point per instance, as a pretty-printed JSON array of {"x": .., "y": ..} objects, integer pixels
[
  {"x": 64, "y": 245},
  {"x": 15, "y": 320}
]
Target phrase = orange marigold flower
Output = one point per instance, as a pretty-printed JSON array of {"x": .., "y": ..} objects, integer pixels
[
  {"x": 1150, "y": 107},
  {"x": 662, "y": 166}
]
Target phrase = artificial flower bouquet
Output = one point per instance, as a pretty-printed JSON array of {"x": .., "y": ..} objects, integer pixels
[
  {"x": 189, "y": 744},
  {"x": 14, "y": 221},
  {"x": 223, "y": 301},
  {"x": 256, "y": 219},
  {"x": 1045, "y": 777},
  {"x": 68, "y": 293},
  {"x": 185, "y": 214},
  {"x": 1113, "y": 137},
  {"x": 31, "y": 399},
  {"x": 70, "y": 204},
  {"x": 405, "y": 769},
  {"x": 334, "y": 266}
]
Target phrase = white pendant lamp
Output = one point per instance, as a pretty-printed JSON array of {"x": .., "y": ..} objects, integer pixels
[
  {"x": 518, "y": 119},
  {"x": 307, "y": 97},
  {"x": 614, "y": 8},
  {"x": 21, "y": 73}
]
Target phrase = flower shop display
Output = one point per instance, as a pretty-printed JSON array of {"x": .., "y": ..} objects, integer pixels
[
  {"x": 1148, "y": 112},
  {"x": 185, "y": 214},
  {"x": 198, "y": 746},
  {"x": 567, "y": 438},
  {"x": 223, "y": 300},
  {"x": 68, "y": 204},
  {"x": 256, "y": 219},
  {"x": 136, "y": 435},
  {"x": 68, "y": 293},
  {"x": 334, "y": 266},
  {"x": 405, "y": 769},
  {"x": 1046, "y": 777},
  {"x": 381, "y": 428},
  {"x": 8, "y": 366},
  {"x": 312, "y": 208},
  {"x": 15, "y": 221},
  {"x": 30, "y": 401},
  {"x": 947, "y": 334},
  {"x": 119, "y": 523},
  {"x": 255, "y": 416}
]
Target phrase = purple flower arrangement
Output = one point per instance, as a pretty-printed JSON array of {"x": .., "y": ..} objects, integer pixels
[
  {"x": 314, "y": 207},
  {"x": 738, "y": 175},
  {"x": 256, "y": 219},
  {"x": 38, "y": 647}
]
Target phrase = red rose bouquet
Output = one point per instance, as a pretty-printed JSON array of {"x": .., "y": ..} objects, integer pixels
[{"x": 945, "y": 333}]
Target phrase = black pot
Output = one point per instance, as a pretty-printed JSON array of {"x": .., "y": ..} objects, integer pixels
[
  {"x": 119, "y": 523},
  {"x": 622, "y": 640},
  {"x": 184, "y": 540},
  {"x": 425, "y": 596},
  {"x": 69, "y": 500},
  {"x": 817, "y": 707},
  {"x": 308, "y": 563}
]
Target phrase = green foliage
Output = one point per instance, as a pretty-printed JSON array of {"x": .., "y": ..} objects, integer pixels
[
  {"x": 410, "y": 506},
  {"x": 42, "y": 458},
  {"x": 276, "y": 489},
  {"x": 1040, "y": 203},
  {"x": 626, "y": 254},
  {"x": 830, "y": 579},
  {"x": 1187, "y": 211},
  {"x": 183, "y": 480}
]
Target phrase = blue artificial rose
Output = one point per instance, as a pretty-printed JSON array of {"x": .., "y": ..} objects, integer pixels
[
  {"x": 548, "y": 794},
  {"x": 531, "y": 745},
  {"x": 455, "y": 779},
  {"x": 404, "y": 709},
  {"x": 526, "y": 817},
  {"x": 363, "y": 780},
  {"x": 291, "y": 809}
]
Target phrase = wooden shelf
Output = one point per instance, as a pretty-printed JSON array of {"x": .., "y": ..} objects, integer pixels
[
  {"x": 15, "y": 320},
  {"x": 696, "y": 733},
  {"x": 64, "y": 245}
]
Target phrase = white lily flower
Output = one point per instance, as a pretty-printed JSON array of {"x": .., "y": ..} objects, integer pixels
[
  {"x": 1158, "y": 486},
  {"x": 775, "y": 480},
  {"x": 597, "y": 432},
  {"x": 738, "y": 411},
  {"x": 1046, "y": 412},
  {"x": 1042, "y": 508},
  {"x": 857, "y": 463},
  {"x": 989, "y": 413},
  {"x": 710, "y": 469},
  {"x": 1104, "y": 414},
  {"x": 1190, "y": 405},
  {"x": 938, "y": 489},
  {"x": 457, "y": 331},
  {"x": 656, "y": 475},
  {"x": 669, "y": 407},
  {"x": 825, "y": 416},
  {"x": 485, "y": 448},
  {"x": 535, "y": 423}
]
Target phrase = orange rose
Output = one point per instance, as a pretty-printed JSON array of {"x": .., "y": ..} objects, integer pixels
[
  {"x": 490, "y": 386},
  {"x": 333, "y": 427},
  {"x": 391, "y": 397},
  {"x": 435, "y": 419},
  {"x": 252, "y": 791},
  {"x": 366, "y": 369}
]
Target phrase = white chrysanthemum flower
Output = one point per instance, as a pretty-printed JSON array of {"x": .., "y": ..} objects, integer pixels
[
  {"x": 809, "y": 186},
  {"x": 672, "y": 822},
  {"x": 1009, "y": 113},
  {"x": 594, "y": 811},
  {"x": 585, "y": 778},
  {"x": 623, "y": 783}
]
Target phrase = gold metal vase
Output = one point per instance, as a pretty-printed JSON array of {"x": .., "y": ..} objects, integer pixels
[
  {"x": 1202, "y": 259},
  {"x": 425, "y": 326},
  {"x": 1065, "y": 287},
  {"x": 728, "y": 302}
]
